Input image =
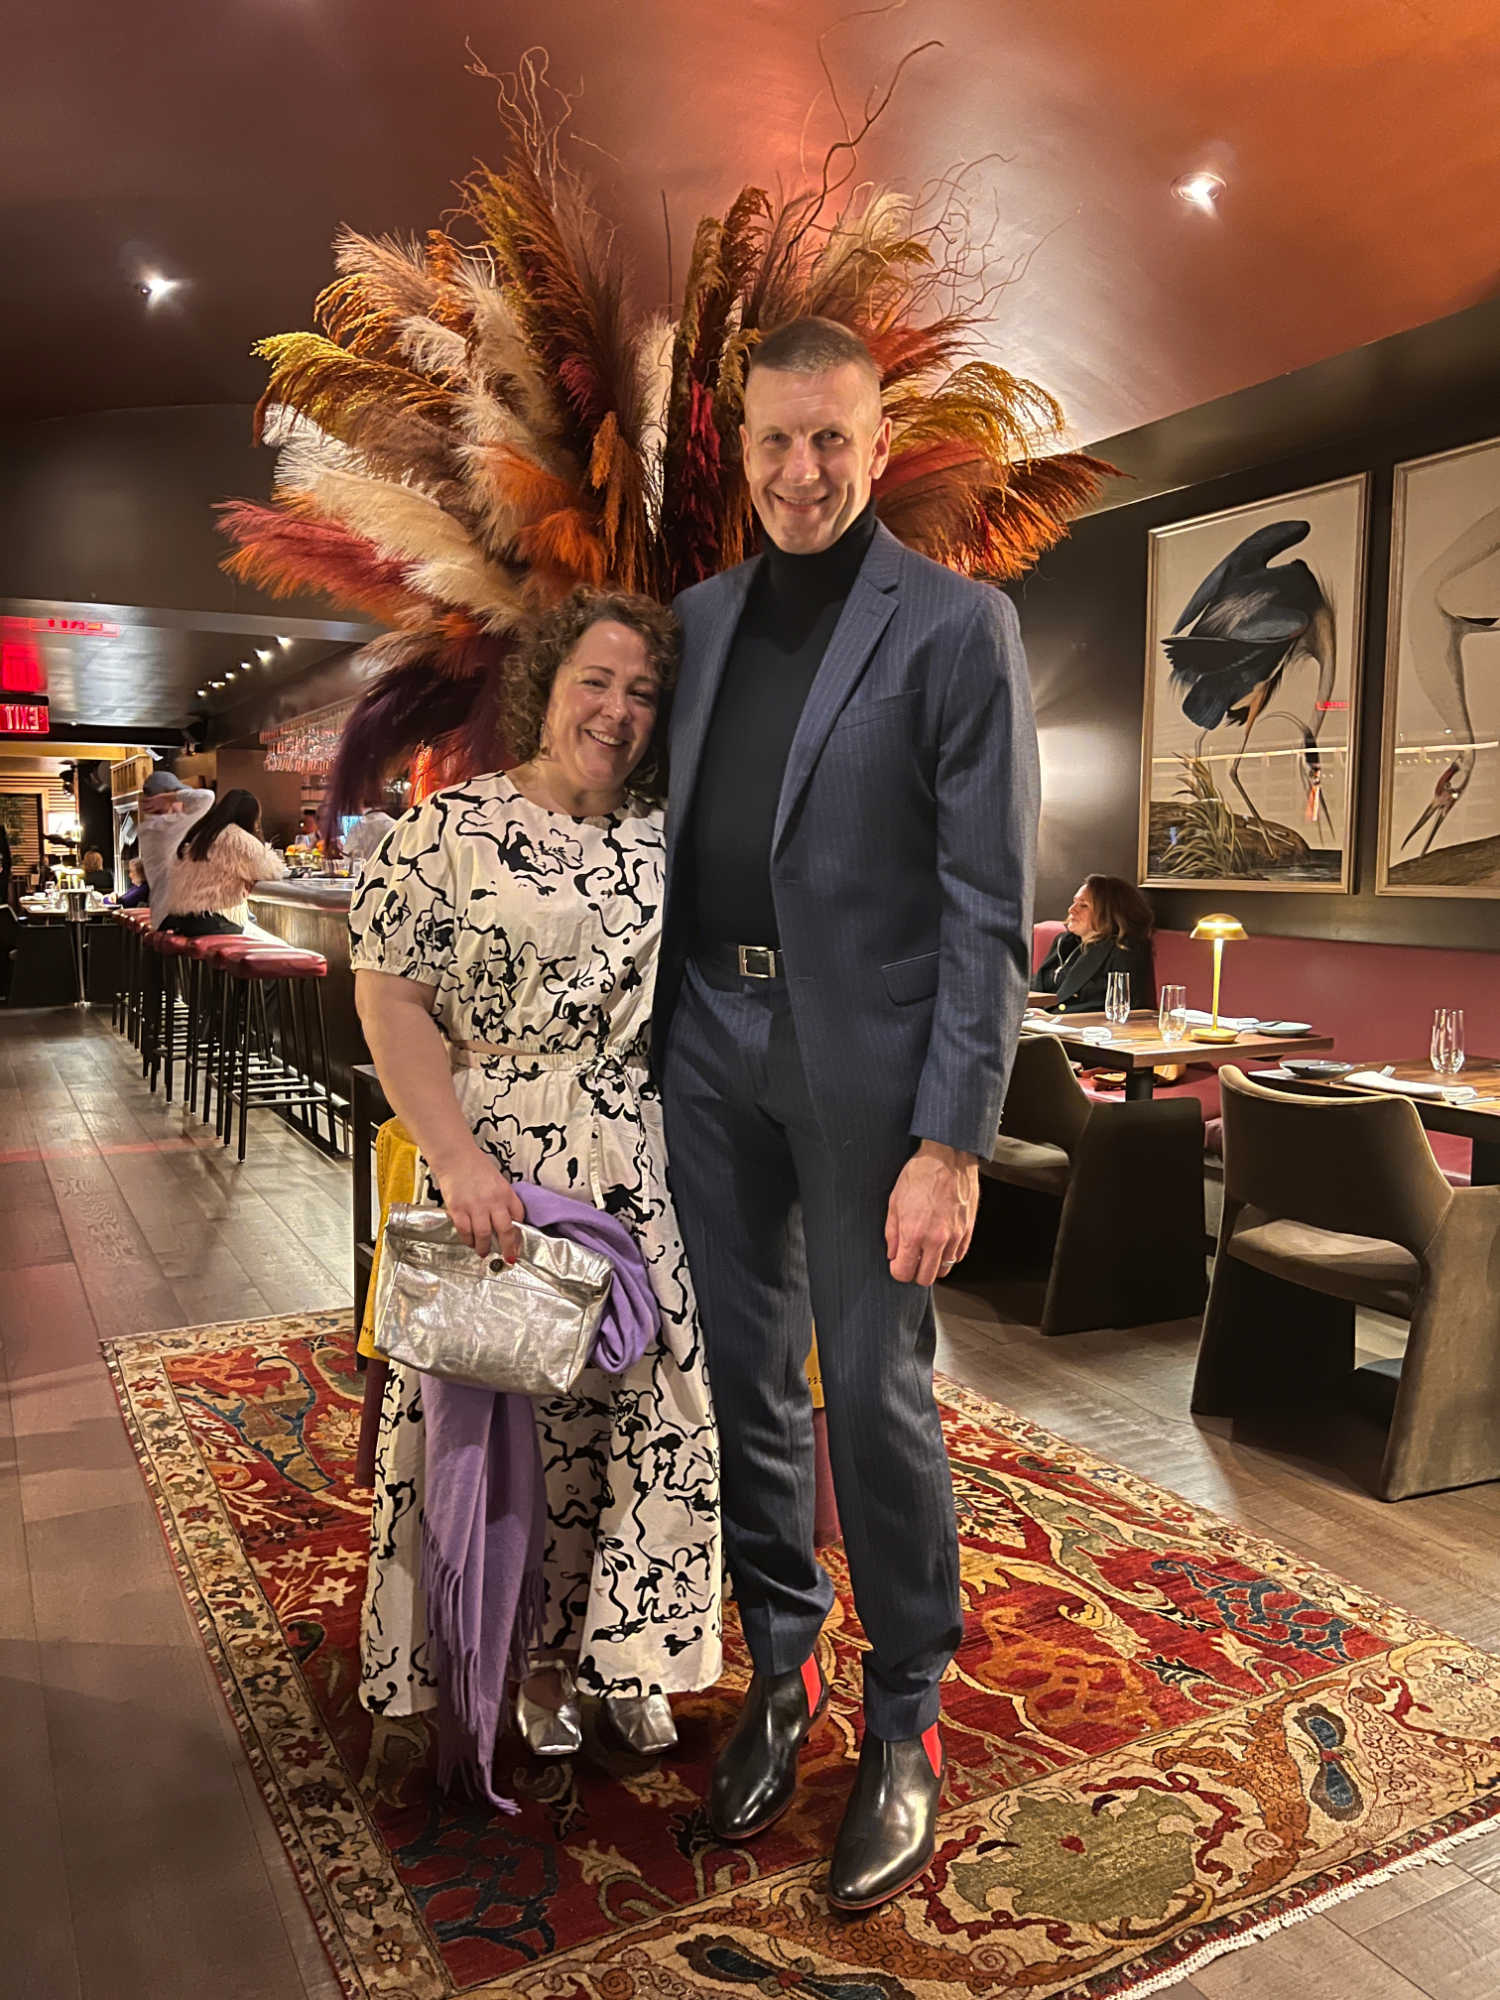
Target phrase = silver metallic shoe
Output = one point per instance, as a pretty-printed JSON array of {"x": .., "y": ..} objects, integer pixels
[
  {"x": 551, "y": 1732},
  {"x": 644, "y": 1721}
]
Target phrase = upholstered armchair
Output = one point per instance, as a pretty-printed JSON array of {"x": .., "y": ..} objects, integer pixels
[
  {"x": 1335, "y": 1203},
  {"x": 1123, "y": 1188}
]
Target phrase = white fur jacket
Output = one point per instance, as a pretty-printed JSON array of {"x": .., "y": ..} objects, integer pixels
[{"x": 236, "y": 862}]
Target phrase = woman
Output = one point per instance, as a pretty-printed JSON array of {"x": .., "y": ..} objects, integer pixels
[
  {"x": 95, "y": 874},
  {"x": 505, "y": 939},
  {"x": 215, "y": 867},
  {"x": 1108, "y": 929},
  {"x": 137, "y": 892}
]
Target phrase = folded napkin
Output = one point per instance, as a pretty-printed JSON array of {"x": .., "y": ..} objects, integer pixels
[
  {"x": 1053, "y": 1024},
  {"x": 1243, "y": 1022},
  {"x": 1371, "y": 1079}
]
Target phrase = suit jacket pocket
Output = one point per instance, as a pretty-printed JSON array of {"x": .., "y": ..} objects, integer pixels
[
  {"x": 884, "y": 708},
  {"x": 908, "y": 979}
]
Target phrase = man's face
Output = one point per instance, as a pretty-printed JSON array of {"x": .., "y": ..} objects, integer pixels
[
  {"x": 162, "y": 802},
  {"x": 814, "y": 445}
]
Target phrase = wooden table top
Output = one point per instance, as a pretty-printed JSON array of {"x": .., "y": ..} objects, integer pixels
[
  {"x": 1137, "y": 1044},
  {"x": 1476, "y": 1117}
]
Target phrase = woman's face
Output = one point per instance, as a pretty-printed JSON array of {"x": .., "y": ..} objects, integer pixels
[
  {"x": 1081, "y": 920},
  {"x": 602, "y": 709}
]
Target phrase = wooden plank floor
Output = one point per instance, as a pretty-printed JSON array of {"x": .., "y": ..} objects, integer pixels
[{"x": 139, "y": 1861}]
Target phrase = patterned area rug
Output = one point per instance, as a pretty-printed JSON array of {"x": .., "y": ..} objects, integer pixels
[{"x": 1164, "y": 1735}]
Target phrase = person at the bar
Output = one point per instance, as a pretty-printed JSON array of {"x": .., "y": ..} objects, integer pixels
[
  {"x": 168, "y": 808},
  {"x": 505, "y": 939},
  {"x": 1107, "y": 929},
  {"x": 216, "y": 866}
]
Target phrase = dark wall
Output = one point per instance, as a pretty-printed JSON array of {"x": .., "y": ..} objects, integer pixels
[
  {"x": 1083, "y": 614},
  {"x": 117, "y": 507}
]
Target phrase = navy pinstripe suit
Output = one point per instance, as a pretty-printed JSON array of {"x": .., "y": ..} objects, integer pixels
[{"x": 901, "y": 872}]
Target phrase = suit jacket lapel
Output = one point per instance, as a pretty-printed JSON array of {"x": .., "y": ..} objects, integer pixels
[
  {"x": 1082, "y": 966},
  {"x": 697, "y": 691},
  {"x": 866, "y": 613}
]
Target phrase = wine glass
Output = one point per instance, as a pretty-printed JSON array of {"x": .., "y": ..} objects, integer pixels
[
  {"x": 1117, "y": 999},
  {"x": 1172, "y": 1014},
  {"x": 1446, "y": 1054}
]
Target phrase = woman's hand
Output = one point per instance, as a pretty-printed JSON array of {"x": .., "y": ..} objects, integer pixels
[{"x": 481, "y": 1203}]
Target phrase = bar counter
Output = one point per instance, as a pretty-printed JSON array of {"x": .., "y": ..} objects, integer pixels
[{"x": 312, "y": 912}]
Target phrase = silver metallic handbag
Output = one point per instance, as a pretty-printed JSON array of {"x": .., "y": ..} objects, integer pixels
[{"x": 526, "y": 1328}]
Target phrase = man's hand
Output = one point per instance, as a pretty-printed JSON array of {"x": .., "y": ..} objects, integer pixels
[
  {"x": 930, "y": 1216},
  {"x": 481, "y": 1203}
]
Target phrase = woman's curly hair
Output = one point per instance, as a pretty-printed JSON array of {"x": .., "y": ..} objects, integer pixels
[{"x": 532, "y": 668}]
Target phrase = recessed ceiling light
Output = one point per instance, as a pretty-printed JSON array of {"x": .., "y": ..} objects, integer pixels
[
  {"x": 202, "y": 694},
  {"x": 266, "y": 657},
  {"x": 1200, "y": 190},
  {"x": 155, "y": 288},
  {"x": 284, "y": 644}
]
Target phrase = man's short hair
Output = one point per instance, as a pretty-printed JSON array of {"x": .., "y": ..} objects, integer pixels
[{"x": 808, "y": 346}]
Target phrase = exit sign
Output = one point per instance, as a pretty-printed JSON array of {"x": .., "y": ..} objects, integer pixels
[{"x": 23, "y": 718}]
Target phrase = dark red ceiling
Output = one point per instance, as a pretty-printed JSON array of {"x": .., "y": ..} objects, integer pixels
[{"x": 224, "y": 144}]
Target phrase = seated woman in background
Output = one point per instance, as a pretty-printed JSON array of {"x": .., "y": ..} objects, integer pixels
[
  {"x": 1108, "y": 929},
  {"x": 95, "y": 874},
  {"x": 137, "y": 892},
  {"x": 215, "y": 867}
]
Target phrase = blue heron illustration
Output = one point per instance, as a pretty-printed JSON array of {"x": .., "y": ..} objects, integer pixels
[{"x": 1249, "y": 620}]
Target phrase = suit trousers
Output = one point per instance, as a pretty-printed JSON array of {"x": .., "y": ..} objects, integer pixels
[{"x": 784, "y": 1224}]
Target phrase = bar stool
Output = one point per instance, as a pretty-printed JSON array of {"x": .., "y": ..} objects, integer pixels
[
  {"x": 212, "y": 957},
  {"x": 138, "y": 924},
  {"x": 124, "y": 1012},
  {"x": 277, "y": 1082},
  {"x": 166, "y": 1034},
  {"x": 206, "y": 957}
]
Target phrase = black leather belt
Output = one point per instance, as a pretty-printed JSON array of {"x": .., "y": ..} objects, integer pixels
[{"x": 745, "y": 961}]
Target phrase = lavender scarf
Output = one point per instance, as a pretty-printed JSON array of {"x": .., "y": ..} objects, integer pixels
[{"x": 484, "y": 1507}]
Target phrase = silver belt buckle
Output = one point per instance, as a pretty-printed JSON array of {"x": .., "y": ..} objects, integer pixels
[{"x": 757, "y": 961}]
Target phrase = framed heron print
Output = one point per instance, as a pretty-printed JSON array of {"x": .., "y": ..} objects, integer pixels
[
  {"x": 1255, "y": 623},
  {"x": 1440, "y": 761}
]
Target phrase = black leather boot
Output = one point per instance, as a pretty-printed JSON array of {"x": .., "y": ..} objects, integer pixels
[
  {"x": 755, "y": 1778},
  {"x": 890, "y": 1823}
]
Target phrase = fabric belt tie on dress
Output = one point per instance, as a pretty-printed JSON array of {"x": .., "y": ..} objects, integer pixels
[{"x": 601, "y": 1073}]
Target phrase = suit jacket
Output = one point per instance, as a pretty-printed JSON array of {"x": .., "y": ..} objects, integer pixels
[
  {"x": 1080, "y": 975},
  {"x": 903, "y": 850}
]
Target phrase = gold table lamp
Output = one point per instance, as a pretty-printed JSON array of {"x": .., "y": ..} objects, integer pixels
[{"x": 1220, "y": 928}]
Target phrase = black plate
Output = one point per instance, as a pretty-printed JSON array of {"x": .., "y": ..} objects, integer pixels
[{"x": 1317, "y": 1066}]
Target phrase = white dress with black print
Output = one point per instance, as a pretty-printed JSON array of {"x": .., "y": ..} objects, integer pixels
[{"x": 541, "y": 934}]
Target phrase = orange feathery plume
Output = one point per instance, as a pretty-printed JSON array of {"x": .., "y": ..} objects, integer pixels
[{"x": 288, "y": 548}]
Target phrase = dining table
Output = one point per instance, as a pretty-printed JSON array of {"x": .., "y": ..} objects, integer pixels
[
  {"x": 1438, "y": 1104},
  {"x": 1137, "y": 1047}
]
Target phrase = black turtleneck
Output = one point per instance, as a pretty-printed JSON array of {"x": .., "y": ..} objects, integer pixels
[{"x": 783, "y": 633}]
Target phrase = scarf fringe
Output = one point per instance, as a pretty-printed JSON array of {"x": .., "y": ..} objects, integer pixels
[{"x": 467, "y": 1727}]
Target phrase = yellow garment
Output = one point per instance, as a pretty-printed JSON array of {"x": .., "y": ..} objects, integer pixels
[
  {"x": 397, "y": 1166},
  {"x": 815, "y": 1374}
]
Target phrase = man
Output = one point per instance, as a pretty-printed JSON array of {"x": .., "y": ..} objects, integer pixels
[
  {"x": 167, "y": 811},
  {"x": 849, "y": 865},
  {"x": 366, "y": 834}
]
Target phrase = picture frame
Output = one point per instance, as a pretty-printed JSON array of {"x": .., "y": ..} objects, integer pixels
[
  {"x": 1439, "y": 831},
  {"x": 1254, "y": 650}
]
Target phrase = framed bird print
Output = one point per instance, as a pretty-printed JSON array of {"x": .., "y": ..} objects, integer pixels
[
  {"x": 1255, "y": 627},
  {"x": 1440, "y": 761}
]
